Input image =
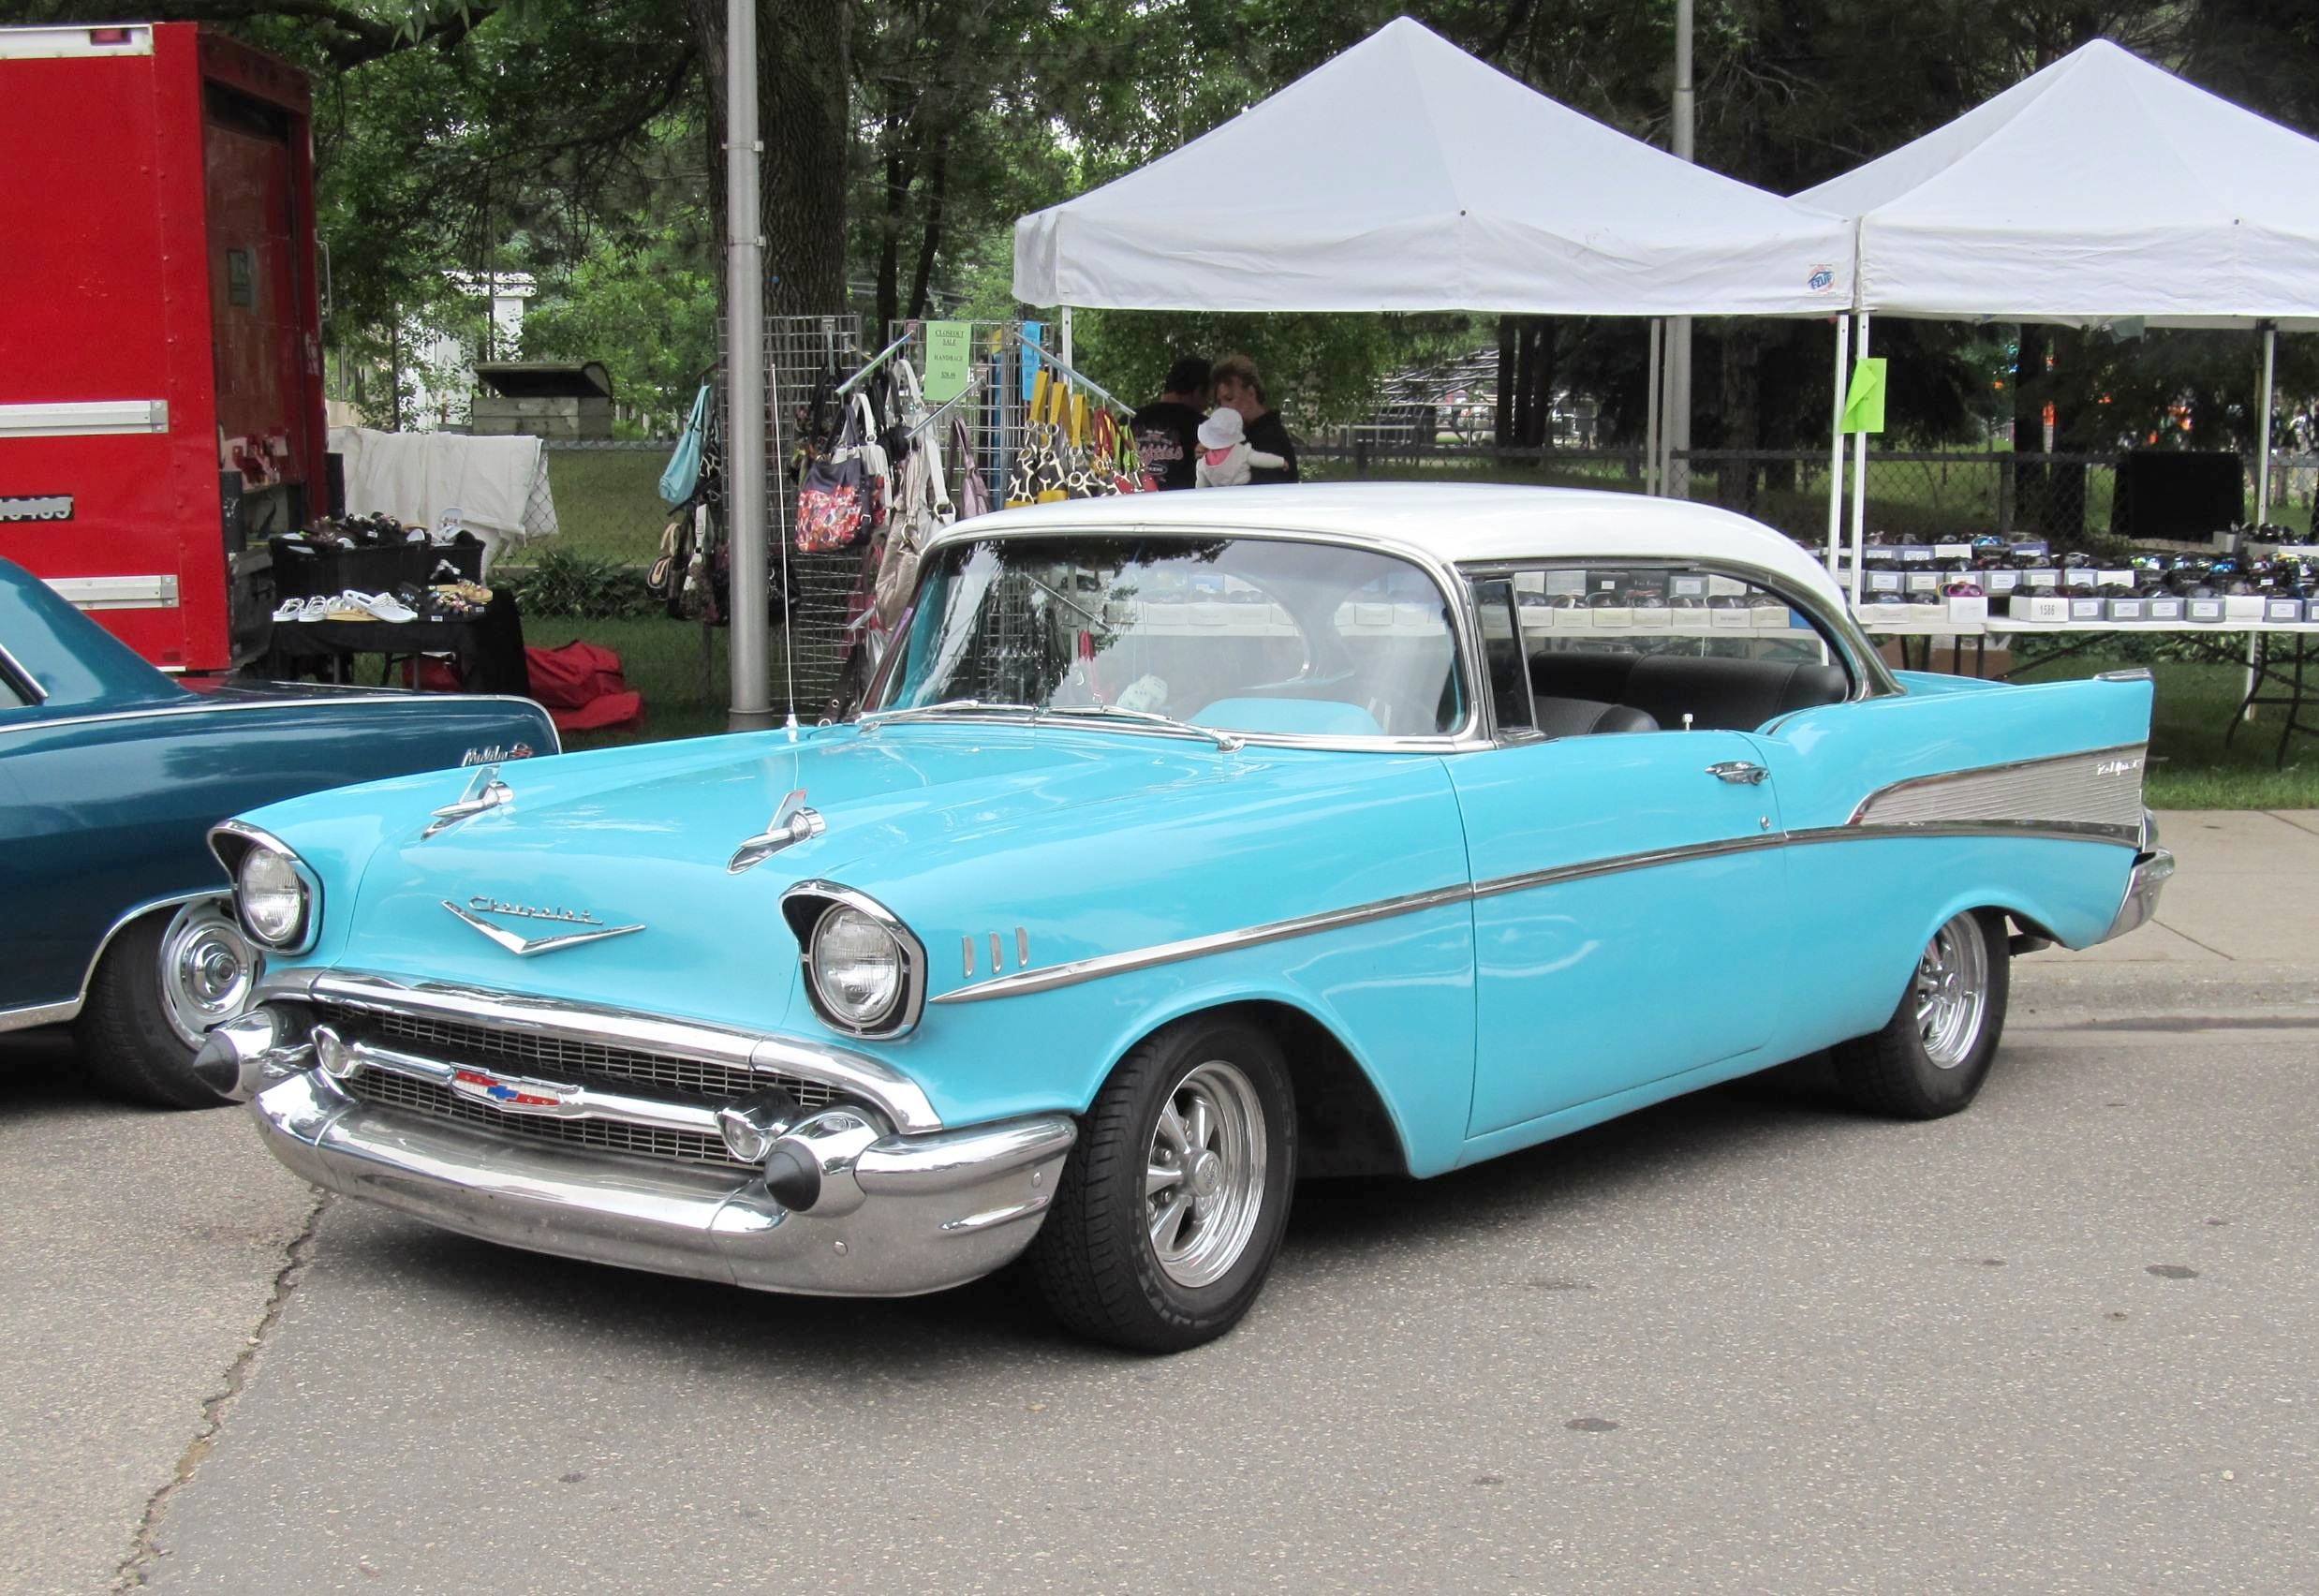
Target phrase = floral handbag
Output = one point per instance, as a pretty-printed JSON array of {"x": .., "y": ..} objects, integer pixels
[{"x": 833, "y": 501}]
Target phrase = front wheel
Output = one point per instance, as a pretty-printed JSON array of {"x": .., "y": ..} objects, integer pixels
[
  {"x": 1934, "y": 1053},
  {"x": 1173, "y": 1203},
  {"x": 162, "y": 984}
]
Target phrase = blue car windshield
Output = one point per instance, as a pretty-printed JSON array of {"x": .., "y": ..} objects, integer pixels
[{"x": 1245, "y": 634}]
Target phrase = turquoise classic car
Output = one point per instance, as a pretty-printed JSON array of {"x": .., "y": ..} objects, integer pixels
[
  {"x": 113, "y": 915},
  {"x": 1191, "y": 843}
]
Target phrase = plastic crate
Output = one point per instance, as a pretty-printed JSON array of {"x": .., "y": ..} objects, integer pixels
[{"x": 303, "y": 570}]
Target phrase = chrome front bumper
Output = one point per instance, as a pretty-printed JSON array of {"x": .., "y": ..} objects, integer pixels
[
  {"x": 901, "y": 1213},
  {"x": 2151, "y": 871}
]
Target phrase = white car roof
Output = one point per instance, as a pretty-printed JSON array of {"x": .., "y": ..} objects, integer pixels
[{"x": 1455, "y": 521}]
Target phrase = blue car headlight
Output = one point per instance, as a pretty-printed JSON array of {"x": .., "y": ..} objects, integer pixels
[
  {"x": 865, "y": 971},
  {"x": 275, "y": 897}
]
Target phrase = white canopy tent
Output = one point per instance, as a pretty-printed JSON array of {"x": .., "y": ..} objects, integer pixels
[
  {"x": 2100, "y": 189},
  {"x": 1405, "y": 176}
]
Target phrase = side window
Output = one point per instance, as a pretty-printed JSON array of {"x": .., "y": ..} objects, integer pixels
[
  {"x": 1503, "y": 655},
  {"x": 1668, "y": 649},
  {"x": 12, "y": 696}
]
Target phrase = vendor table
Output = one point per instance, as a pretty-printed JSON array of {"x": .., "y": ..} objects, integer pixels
[
  {"x": 488, "y": 651},
  {"x": 2278, "y": 681}
]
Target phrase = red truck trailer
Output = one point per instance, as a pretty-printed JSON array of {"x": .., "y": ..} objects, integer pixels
[{"x": 160, "y": 334}]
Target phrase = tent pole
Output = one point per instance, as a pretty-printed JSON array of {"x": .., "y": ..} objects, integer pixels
[
  {"x": 1650, "y": 427},
  {"x": 751, "y": 644},
  {"x": 2262, "y": 483},
  {"x": 1063, "y": 336},
  {"x": 1836, "y": 444},
  {"x": 1859, "y": 484}
]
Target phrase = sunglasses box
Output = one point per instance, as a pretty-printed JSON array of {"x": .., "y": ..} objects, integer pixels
[
  {"x": 2035, "y": 548},
  {"x": 2044, "y": 578},
  {"x": 1923, "y": 581},
  {"x": 1653, "y": 615},
  {"x": 2114, "y": 579},
  {"x": 1884, "y": 610},
  {"x": 1613, "y": 618},
  {"x": 2162, "y": 607},
  {"x": 2283, "y": 610},
  {"x": 1883, "y": 581},
  {"x": 1968, "y": 607},
  {"x": 1737, "y": 618},
  {"x": 2040, "y": 607},
  {"x": 1565, "y": 582},
  {"x": 1686, "y": 584},
  {"x": 2126, "y": 609},
  {"x": 2077, "y": 576},
  {"x": 2242, "y": 607},
  {"x": 2086, "y": 607},
  {"x": 2205, "y": 612},
  {"x": 1999, "y": 582},
  {"x": 1771, "y": 617},
  {"x": 1914, "y": 553},
  {"x": 2310, "y": 612},
  {"x": 1727, "y": 587},
  {"x": 1952, "y": 551}
]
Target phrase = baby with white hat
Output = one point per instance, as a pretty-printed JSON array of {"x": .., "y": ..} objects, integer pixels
[{"x": 1225, "y": 457}]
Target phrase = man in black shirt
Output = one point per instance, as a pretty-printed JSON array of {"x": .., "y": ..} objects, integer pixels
[
  {"x": 1237, "y": 385},
  {"x": 1167, "y": 430}
]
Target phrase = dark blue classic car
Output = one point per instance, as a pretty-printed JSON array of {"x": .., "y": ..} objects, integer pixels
[{"x": 113, "y": 914}]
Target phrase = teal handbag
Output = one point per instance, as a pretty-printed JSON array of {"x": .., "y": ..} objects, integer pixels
[{"x": 682, "y": 473}]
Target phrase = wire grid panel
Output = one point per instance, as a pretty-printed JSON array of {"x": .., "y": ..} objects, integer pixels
[
  {"x": 801, "y": 351},
  {"x": 996, "y": 407}
]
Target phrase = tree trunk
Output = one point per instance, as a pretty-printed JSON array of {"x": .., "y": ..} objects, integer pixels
[
  {"x": 1507, "y": 379},
  {"x": 2029, "y": 388},
  {"x": 805, "y": 121},
  {"x": 1742, "y": 352},
  {"x": 930, "y": 243}
]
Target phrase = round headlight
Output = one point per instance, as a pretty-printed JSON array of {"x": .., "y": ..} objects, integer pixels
[
  {"x": 273, "y": 899},
  {"x": 857, "y": 967}
]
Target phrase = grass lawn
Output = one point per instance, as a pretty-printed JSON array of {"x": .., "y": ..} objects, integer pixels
[
  {"x": 608, "y": 503},
  {"x": 2191, "y": 767}
]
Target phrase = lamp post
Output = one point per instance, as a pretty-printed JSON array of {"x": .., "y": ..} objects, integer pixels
[
  {"x": 1677, "y": 432},
  {"x": 744, "y": 380}
]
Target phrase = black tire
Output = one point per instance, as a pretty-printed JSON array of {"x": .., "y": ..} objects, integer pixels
[
  {"x": 1895, "y": 1072},
  {"x": 1095, "y": 1258},
  {"x": 127, "y": 1046}
]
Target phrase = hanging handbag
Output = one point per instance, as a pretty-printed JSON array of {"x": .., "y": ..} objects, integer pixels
[
  {"x": 1078, "y": 480},
  {"x": 833, "y": 501},
  {"x": 876, "y": 464},
  {"x": 682, "y": 474},
  {"x": 1037, "y": 474},
  {"x": 973, "y": 492},
  {"x": 922, "y": 508}
]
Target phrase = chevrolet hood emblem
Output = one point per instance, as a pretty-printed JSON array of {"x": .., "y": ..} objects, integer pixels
[{"x": 591, "y": 929}]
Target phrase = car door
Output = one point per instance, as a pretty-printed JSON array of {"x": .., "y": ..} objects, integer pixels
[{"x": 1630, "y": 910}]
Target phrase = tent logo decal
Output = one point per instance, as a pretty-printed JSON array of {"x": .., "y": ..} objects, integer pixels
[{"x": 1822, "y": 279}]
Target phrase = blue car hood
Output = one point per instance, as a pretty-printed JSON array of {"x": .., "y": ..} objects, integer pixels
[{"x": 646, "y": 841}]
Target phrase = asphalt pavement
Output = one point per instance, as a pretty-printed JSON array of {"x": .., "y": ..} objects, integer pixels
[{"x": 1749, "y": 1340}]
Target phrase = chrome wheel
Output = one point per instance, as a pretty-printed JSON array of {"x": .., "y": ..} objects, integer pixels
[
  {"x": 208, "y": 969},
  {"x": 1203, "y": 1176},
  {"x": 1952, "y": 992}
]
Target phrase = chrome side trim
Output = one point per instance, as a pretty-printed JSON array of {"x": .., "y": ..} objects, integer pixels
[
  {"x": 899, "y": 1097},
  {"x": 201, "y": 705},
  {"x": 2133, "y": 673},
  {"x": 532, "y": 947},
  {"x": 2099, "y": 785},
  {"x": 310, "y": 927},
  {"x": 1497, "y": 886},
  {"x": 802, "y": 921},
  {"x": 84, "y": 417},
  {"x": 40, "y": 1015},
  {"x": 1198, "y": 947},
  {"x": 27, "y": 686},
  {"x": 57, "y": 1014}
]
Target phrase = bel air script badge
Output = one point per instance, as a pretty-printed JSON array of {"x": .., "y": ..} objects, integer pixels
[{"x": 524, "y": 947}]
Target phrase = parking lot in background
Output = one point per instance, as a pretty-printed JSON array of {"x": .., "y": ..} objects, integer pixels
[{"x": 1747, "y": 1340}]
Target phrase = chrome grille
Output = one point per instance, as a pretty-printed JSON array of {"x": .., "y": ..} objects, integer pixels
[
  {"x": 387, "y": 1089},
  {"x": 564, "y": 1059}
]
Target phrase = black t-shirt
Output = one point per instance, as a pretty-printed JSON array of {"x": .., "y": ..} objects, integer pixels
[
  {"x": 1167, "y": 435},
  {"x": 1269, "y": 435}
]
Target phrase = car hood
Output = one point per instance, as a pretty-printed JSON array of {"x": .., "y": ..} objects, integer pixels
[{"x": 610, "y": 843}]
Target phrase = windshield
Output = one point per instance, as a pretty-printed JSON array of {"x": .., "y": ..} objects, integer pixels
[{"x": 1238, "y": 634}]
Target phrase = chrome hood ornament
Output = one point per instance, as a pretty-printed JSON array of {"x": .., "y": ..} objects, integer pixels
[
  {"x": 792, "y": 823},
  {"x": 594, "y": 930},
  {"x": 485, "y": 791}
]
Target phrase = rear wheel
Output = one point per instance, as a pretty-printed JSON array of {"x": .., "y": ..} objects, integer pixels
[
  {"x": 1173, "y": 1203},
  {"x": 1934, "y": 1053},
  {"x": 162, "y": 984}
]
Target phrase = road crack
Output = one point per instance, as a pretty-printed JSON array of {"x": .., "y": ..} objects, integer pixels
[{"x": 143, "y": 1551}]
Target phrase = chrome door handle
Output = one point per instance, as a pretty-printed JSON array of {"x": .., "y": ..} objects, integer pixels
[{"x": 1738, "y": 772}]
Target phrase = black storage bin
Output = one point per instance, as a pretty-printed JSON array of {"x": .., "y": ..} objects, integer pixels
[
  {"x": 466, "y": 558},
  {"x": 303, "y": 570}
]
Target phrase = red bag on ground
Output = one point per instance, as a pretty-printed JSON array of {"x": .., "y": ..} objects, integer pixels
[{"x": 581, "y": 687}]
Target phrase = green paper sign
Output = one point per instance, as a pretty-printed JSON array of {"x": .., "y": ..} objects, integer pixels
[
  {"x": 950, "y": 356},
  {"x": 1863, "y": 401}
]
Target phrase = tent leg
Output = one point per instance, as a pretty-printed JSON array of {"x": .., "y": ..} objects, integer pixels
[
  {"x": 1836, "y": 446},
  {"x": 1063, "y": 337},
  {"x": 1860, "y": 484},
  {"x": 2262, "y": 487},
  {"x": 1651, "y": 426}
]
